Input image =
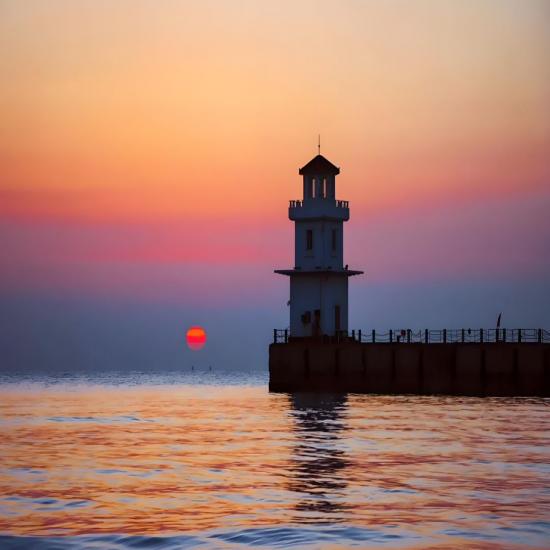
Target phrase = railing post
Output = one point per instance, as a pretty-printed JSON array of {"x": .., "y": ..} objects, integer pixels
[
  {"x": 426, "y": 336},
  {"x": 274, "y": 335},
  {"x": 391, "y": 335},
  {"x": 286, "y": 336},
  {"x": 408, "y": 336},
  {"x": 353, "y": 334},
  {"x": 373, "y": 336},
  {"x": 359, "y": 335},
  {"x": 481, "y": 335},
  {"x": 539, "y": 336},
  {"x": 504, "y": 335},
  {"x": 519, "y": 336},
  {"x": 463, "y": 336},
  {"x": 444, "y": 335}
]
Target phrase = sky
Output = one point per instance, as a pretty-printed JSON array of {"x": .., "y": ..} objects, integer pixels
[{"x": 148, "y": 151}]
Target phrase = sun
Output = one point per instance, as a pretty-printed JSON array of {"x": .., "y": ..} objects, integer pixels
[{"x": 196, "y": 338}]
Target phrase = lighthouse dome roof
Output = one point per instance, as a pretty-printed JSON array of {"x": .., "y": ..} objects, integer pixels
[{"x": 319, "y": 166}]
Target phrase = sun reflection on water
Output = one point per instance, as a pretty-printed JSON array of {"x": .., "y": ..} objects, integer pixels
[{"x": 238, "y": 461}]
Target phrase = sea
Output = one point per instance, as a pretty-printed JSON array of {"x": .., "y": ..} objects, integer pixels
[{"x": 214, "y": 460}]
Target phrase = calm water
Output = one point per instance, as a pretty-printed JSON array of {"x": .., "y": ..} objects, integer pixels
[{"x": 138, "y": 461}]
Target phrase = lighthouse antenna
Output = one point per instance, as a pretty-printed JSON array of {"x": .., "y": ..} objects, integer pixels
[{"x": 319, "y": 144}]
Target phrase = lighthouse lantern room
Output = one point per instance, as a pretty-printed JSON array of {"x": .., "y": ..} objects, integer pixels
[{"x": 319, "y": 280}]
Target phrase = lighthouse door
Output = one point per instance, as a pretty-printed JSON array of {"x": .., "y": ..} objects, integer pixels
[{"x": 336, "y": 319}]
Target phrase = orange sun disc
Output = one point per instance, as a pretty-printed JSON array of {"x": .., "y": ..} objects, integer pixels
[{"x": 196, "y": 338}]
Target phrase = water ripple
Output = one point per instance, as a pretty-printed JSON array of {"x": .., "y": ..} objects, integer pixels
[{"x": 138, "y": 463}]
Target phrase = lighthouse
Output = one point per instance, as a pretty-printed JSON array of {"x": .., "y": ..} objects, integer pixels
[
  {"x": 321, "y": 356},
  {"x": 319, "y": 279}
]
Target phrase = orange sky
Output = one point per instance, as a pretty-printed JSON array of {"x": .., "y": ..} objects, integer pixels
[
  {"x": 147, "y": 110},
  {"x": 173, "y": 131}
]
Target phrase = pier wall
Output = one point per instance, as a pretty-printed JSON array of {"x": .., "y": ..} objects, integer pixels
[{"x": 476, "y": 369}]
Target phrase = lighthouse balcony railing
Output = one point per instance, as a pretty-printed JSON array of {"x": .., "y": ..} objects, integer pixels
[
  {"x": 300, "y": 203},
  {"x": 427, "y": 336},
  {"x": 322, "y": 207}
]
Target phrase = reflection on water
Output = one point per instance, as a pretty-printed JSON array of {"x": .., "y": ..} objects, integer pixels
[
  {"x": 156, "y": 463},
  {"x": 317, "y": 470}
]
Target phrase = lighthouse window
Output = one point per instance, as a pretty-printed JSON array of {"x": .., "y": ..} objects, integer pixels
[
  {"x": 334, "y": 239},
  {"x": 309, "y": 239},
  {"x": 309, "y": 185}
]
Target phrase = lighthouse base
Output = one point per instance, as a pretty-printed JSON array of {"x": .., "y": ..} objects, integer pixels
[{"x": 469, "y": 369}]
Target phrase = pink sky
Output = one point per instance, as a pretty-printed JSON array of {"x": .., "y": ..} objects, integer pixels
[{"x": 149, "y": 151}]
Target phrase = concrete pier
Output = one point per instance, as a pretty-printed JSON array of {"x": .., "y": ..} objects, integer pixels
[{"x": 475, "y": 369}]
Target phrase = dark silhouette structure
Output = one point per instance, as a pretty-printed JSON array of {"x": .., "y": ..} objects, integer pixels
[
  {"x": 487, "y": 363},
  {"x": 319, "y": 353}
]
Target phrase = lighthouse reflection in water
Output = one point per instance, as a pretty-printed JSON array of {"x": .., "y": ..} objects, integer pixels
[
  {"x": 214, "y": 459},
  {"x": 319, "y": 459}
]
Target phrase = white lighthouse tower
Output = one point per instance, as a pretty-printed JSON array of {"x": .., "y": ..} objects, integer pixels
[{"x": 319, "y": 280}]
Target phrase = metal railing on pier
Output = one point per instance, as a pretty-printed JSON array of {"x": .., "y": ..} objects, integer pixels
[
  {"x": 426, "y": 336},
  {"x": 280, "y": 336}
]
